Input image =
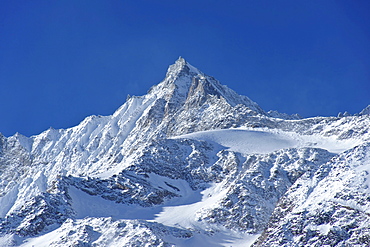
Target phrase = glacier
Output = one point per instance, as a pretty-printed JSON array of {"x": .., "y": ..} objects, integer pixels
[{"x": 191, "y": 163}]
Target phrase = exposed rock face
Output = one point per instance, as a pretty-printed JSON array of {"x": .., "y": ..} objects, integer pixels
[{"x": 190, "y": 163}]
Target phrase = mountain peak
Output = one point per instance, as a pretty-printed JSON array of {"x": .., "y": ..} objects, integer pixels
[
  {"x": 181, "y": 60},
  {"x": 153, "y": 159},
  {"x": 181, "y": 67},
  {"x": 186, "y": 84}
]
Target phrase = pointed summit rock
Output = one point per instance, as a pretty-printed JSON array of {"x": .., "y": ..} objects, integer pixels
[
  {"x": 185, "y": 84},
  {"x": 179, "y": 67}
]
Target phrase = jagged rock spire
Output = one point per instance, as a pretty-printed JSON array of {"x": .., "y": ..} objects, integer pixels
[
  {"x": 183, "y": 81},
  {"x": 181, "y": 67},
  {"x": 365, "y": 111}
]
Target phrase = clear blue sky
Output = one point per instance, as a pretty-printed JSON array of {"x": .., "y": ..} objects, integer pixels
[{"x": 61, "y": 61}]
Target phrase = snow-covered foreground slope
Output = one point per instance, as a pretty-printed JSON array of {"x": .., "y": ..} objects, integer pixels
[
  {"x": 328, "y": 207},
  {"x": 192, "y": 163}
]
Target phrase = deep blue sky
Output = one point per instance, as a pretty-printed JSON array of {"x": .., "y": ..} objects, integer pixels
[{"x": 61, "y": 61}]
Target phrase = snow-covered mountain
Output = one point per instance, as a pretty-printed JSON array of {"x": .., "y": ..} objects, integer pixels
[{"x": 191, "y": 163}]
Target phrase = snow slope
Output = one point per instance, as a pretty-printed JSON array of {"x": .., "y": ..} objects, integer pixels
[{"x": 264, "y": 141}]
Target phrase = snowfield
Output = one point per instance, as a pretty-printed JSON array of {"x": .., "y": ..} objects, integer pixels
[{"x": 249, "y": 141}]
